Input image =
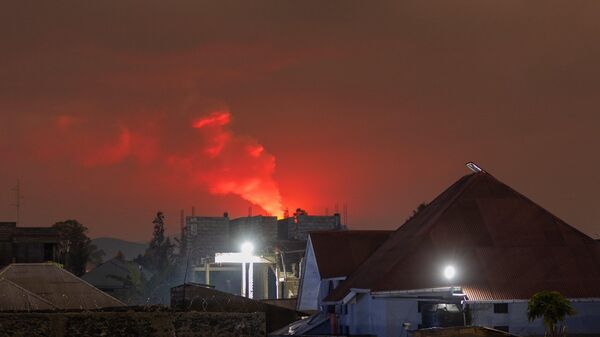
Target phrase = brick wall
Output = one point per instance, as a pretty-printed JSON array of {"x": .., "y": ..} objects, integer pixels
[{"x": 132, "y": 324}]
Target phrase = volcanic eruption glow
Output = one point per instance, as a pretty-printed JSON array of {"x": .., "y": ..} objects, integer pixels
[
  {"x": 209, "y": 155},
  {"x": 239, "y": 165}
]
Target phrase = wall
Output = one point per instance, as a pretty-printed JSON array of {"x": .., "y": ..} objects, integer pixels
[
  {"x": 310, "y": 285},
  {"x": 586, "y": 319},
  {"x": 132, "y": 324},
  {"x": 206, "y": 236},
  {"x": 290, "y": 229},
  {"x": 193, "y": 297},
  {"x": 384, "y": 317},
  {"x": 260, "y": 230}
]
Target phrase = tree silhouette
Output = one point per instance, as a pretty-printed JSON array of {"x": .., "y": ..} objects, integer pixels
[{"x": 75, "y": 249}]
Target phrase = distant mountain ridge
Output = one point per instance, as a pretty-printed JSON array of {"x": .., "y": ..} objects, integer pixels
[{"x": 111, "y": 246}]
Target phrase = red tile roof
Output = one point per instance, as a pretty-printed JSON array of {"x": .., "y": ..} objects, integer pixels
[
  {"x": 339, "y": 253},
  {"x": 503, "y": 246}
]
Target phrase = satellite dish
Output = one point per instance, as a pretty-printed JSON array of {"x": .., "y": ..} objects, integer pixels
[{"x": 474, "y": 167}]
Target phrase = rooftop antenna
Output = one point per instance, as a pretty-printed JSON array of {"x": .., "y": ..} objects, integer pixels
[
  {"x": 193, "y": 211},
  {"x": 474, "y": 167},
  {"x": 249, "y": 211},
  {"x": 18, "y": 198},
  {"x": 345, "y": 214},
  {"x": 181, "y": 222}
]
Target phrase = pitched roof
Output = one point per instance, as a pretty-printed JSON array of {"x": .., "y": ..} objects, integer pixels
[
  {"x": 503, "y": 246},
  {"x": 339, "y": 253},
  {"x": 111, "y": 274},
  {"x": 16, "y": 298},
  {"x": 57, "y": 286}
]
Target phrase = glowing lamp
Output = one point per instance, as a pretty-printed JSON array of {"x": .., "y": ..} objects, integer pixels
[
  {"x": 449, "y": 272},
  {"x": 247, "y": 248}
]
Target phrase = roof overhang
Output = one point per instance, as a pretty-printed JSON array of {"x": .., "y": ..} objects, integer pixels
[
  {"x": 349, "y": 297},
  {"x": 416, "y": 292}
]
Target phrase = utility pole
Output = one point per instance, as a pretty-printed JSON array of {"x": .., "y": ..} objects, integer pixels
[{"x": 18, "y": 198}]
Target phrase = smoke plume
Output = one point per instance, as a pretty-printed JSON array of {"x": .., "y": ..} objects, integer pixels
[{"x": 209, "y": 156}]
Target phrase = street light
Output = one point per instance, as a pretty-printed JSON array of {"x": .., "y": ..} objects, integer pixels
[
  {"x": 449, "y": 272},
  {"x": 247, "y": 249}
]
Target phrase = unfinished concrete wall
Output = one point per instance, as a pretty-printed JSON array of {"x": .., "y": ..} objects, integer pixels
[
  {"x": 261, "y": 230},
  {"x": 298, "y": 227},
  {"x": 132, "y": 324},
  {"x": 206, "y": 236}
]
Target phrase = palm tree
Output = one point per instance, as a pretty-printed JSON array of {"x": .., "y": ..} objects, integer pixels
[{"x": 553, "y": 307}]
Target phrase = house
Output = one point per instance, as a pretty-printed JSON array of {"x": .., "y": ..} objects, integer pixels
[
  {"x": 331, "y": 256},
  {"x": 16, "y": 298},
  {"x": 27, "y": 244},
  {"x": 473, "y": 256},
  {"x": 50, "y": 286},
  {"x": 114, "y": 277}
]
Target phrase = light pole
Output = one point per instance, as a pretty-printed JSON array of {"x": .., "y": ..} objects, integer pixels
[{"x": 247, "y": 250}]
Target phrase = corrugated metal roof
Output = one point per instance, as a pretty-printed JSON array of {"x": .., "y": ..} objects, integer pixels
[
  {"x": 503, "y": 246},
  {"x": 339, "y": 253},
  {"x": 57, "y": 286},
  {"x": 16, "y": 298}
]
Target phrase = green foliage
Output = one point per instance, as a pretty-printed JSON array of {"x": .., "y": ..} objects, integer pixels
[
  {"x": 75, "y": 248},
  {"x": 553, "y": 307}
]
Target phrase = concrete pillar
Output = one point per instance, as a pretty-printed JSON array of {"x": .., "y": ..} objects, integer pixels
[
  {"x": 265, "y": 269},
  {"x": 244, "y": 279},
  {"x": 207, "y": 273},
  {"x": 251, "y": 280}
]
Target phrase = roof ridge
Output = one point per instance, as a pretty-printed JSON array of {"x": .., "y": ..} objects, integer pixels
[
  {"x": 432, "y": 220},
  {"x": 542, "y": 208},
  {"x": 89, "y": 285},
  {"x": 411, "y": 222},
  {"x": 28, "y": 292}
]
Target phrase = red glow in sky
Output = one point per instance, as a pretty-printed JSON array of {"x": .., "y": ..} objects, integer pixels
[{"x": 293, "y": 104}]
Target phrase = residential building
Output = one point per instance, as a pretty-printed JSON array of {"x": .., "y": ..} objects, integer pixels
[
  {"x": 114, "y": 277},
  {"x": 331, "y": 256},
  {"x": 49, "y": 287},
  {"x": 27, "y": 244},
  {"x": 473, "y": 256}
]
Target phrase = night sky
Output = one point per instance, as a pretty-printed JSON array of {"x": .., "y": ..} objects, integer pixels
[{"x": 112, "y": 110}]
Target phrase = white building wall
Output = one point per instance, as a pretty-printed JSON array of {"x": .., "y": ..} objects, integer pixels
[
  {"x": 384, "y": 317},
  {"x": 381, "y": 316},
  {"x": 585, "y": 321},
  {"x": 308, "y": 298}
]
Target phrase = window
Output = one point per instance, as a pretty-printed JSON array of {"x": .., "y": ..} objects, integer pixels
[{"x": 501, "y": 308}]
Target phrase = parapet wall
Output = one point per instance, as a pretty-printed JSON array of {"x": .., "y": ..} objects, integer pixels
[{"x": 132, "y": 324}]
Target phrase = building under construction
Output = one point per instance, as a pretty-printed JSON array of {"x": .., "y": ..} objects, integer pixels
[{"x": 279, "y": 243}]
